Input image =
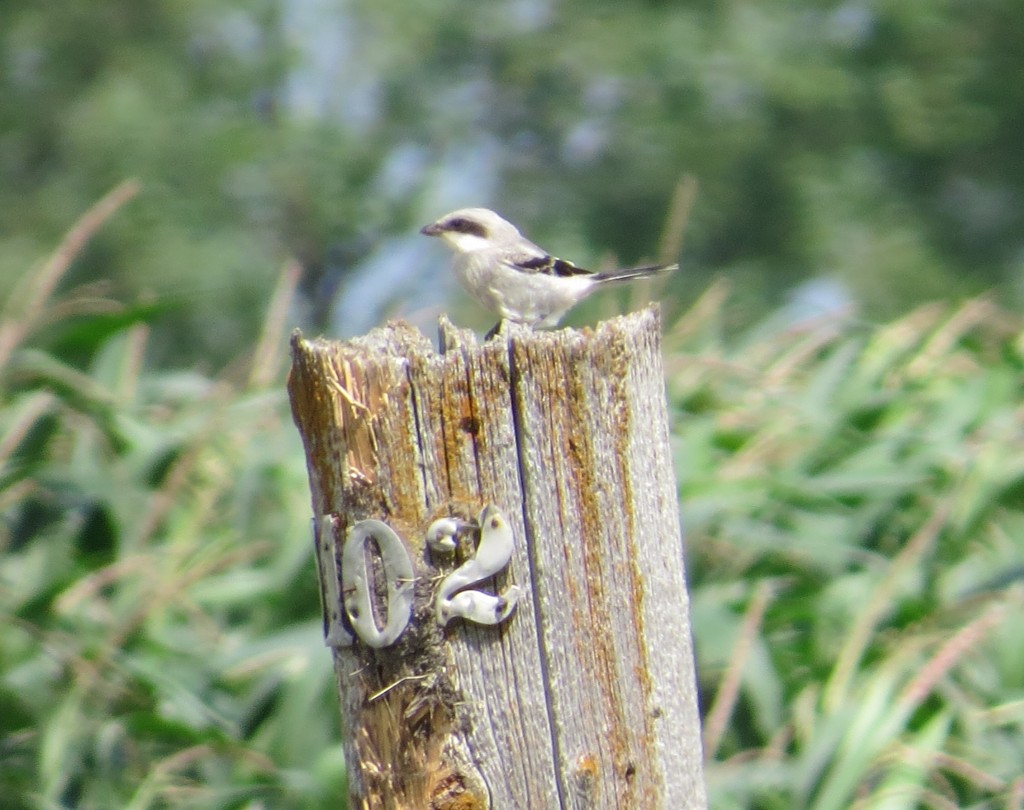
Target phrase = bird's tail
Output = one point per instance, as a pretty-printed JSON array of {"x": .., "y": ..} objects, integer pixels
[{"x": 635, "y": 272}]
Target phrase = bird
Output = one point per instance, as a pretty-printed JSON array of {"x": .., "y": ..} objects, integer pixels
[{"x": 508, "y": 274}]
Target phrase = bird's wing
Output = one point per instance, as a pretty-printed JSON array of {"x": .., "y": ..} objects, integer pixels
[{"x": 546, "y": 264}]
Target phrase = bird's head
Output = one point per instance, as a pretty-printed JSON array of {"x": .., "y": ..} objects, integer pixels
[{"x": 471, "y": 229}]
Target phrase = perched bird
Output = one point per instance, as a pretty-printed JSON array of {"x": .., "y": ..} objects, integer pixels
[{"x": 508, "y": 274}]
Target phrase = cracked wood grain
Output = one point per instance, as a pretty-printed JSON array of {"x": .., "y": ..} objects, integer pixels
[{"x": 585, "y": 697}]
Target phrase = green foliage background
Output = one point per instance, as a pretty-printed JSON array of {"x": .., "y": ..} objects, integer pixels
[
  {"x": 852, "y": 491},
  {"x": 874, "y": 142}
]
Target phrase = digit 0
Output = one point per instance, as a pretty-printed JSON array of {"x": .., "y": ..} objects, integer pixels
[{"x": 356, "y": 583}]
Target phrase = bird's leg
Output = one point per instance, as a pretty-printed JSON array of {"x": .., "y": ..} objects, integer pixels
[{"x": 494, "y": 330}]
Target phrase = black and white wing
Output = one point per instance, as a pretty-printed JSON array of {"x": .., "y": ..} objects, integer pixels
[{"x": 547, "y": 265}]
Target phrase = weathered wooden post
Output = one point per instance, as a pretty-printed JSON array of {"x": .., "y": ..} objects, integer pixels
[{"x": 562, "y": 680}]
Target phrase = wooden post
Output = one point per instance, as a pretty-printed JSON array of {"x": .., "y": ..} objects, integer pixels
[{"x": 584, "y": 696}]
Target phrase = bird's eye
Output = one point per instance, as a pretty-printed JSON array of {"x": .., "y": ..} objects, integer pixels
[{"x": 466, "y": 225}]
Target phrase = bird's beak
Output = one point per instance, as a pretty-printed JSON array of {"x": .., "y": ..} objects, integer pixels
[{"x": 433, "y": 229}]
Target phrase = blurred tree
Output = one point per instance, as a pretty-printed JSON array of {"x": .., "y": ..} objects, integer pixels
[
  {"x": 188, "y": 98},
  {"x": 873, "y": 142}
]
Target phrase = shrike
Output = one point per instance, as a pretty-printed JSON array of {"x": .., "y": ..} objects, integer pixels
[{"x": 508, "y": 274}]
